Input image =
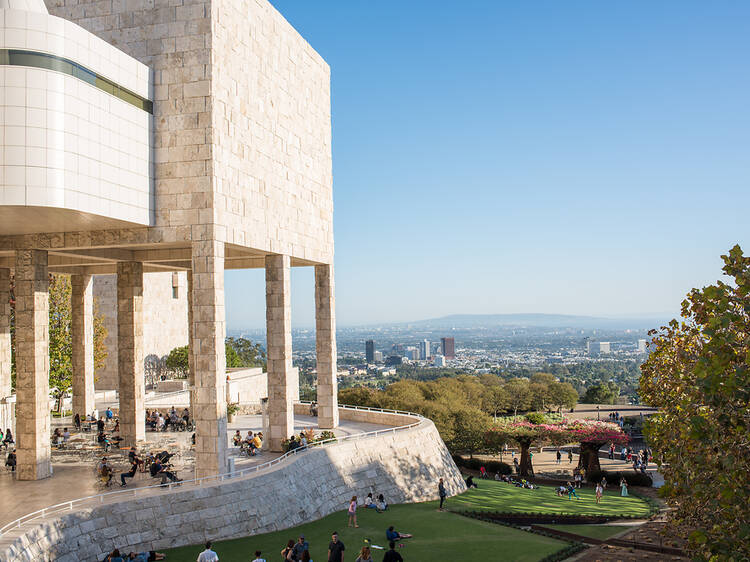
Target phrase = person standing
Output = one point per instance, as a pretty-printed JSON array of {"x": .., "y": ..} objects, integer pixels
[
  {"x": 208, "y": 555},
  {"x": 570, "y": 456},
  {"x": 442, "y": 493},
  {"x": 301, "y": 546},
  {"x": 559, "y": 456},
  {"x": 336, "y": 549},
  {"x": 623, "y": 487},
  {"x": 353, "y": 511},
  {"x": 392, "y": 555},
  {"x": 599, "y": 492}
]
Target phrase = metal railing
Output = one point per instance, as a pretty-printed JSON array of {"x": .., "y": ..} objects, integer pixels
[{"x": 99, "y": 499}]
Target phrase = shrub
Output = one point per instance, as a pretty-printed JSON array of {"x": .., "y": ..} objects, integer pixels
[
  {"x": 536, "y": 418},
  {"x": 475, "y": 464},
  {"x": 613, "y": 478}
]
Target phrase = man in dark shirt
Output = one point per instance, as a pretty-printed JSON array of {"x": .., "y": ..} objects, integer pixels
[
  {"x": 392, "y": 555},
  {"x": 335, "y": 549},
  {"x": 100, "y": 425}
]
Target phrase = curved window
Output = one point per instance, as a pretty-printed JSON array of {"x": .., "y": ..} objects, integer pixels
[{"x": 34, "y": 59}]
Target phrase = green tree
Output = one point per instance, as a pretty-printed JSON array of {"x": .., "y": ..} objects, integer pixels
[
  {"x": 603, "y": 393},
  {"x": 495, "y": 399},
  {"x": 698, "y": 375},
  {"x": 60, "y": 340},
  {"x": 562, "y": 395},
  {"x": 519, "y": 395},
  {"x": 470, "y": 426},
  {"x": 177, "y": 361},
  {"x": 247, "y": 353}
]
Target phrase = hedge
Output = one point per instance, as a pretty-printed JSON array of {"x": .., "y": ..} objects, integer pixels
[
  {"x": 613, "y": 478},
  {"x": 475, "y": 464}
]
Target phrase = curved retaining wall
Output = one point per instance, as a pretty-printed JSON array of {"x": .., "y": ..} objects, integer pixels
[{"x": 404, "y": 465}]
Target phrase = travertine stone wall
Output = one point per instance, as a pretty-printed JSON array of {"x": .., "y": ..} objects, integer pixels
[
  {"x": 209, "y": 333},
  {"x": 82, "y": 336},
  {"x": 404, "y": 466},
  {"x": 279, "y": 350},
  {"x": 32, "y": 365},
  {"x": 325, "y": 345},
  {"x": 5, "y": 358},
  {"x": 165, "y": 319},
  {"x": 130, "y": 351},
  {"x": 271, "y": 142}
]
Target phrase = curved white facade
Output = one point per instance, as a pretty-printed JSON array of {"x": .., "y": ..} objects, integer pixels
[{"x": 74, "y": 155}]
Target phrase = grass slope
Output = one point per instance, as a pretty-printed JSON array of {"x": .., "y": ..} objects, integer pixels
[
  {"x": 503, "y": 497},
  {"x": 437, "y": 536},
  {"x": 602, "y": 532}
]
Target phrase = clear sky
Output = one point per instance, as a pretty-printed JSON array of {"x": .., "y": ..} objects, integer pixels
[{"x": 496, "y": 157}]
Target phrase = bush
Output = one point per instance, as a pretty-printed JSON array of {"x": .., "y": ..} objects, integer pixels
[
  {"x": 613, "y": 478},
  {"x": 475, "y": 464},
  {"x": 536, "y": 418}
]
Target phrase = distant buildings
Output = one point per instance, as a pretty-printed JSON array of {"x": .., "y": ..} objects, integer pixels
[
  {"x": 378, "y": 356},
  {"x": 370, "y": 351},
  {"x": 642, "y": 346},
  {"x": 448, "y": 348},
  {"x": 438, "y": 361},
  {"x": 424, "y": 349},
  {"x": 597, "y": 347}
]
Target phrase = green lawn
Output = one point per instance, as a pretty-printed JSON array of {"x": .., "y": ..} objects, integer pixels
[
  {"x": 437, "y": 536},
  {"x": 602, "y": 532},
  {"x": 503, "y": 497}
]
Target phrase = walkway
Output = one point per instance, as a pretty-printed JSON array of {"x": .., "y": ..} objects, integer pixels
[{"x": 75, "y": 478}]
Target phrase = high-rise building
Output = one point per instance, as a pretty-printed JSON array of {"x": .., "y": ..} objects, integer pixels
[
  {"x": 448, "y": 347},
  {"x": 642, "y": 346},
  {"x": 597, "y": 347},
  {"x": 370, "y": 351},
  {"x": 424, "y": 349},
  {"x": 378, "y": 356},
  {"x": 438, "y": 361}
]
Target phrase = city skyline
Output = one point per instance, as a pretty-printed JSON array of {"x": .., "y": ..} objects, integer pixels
[{"x": 544, "y": 158}]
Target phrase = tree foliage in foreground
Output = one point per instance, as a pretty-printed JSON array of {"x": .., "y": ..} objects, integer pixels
[{"x": 698, "y": 375}]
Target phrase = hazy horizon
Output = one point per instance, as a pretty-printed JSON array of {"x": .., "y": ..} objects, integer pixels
[{"x": 564, "y": 158}]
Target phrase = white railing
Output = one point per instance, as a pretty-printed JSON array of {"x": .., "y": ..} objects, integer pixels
[{"x": 99, "y": 499}]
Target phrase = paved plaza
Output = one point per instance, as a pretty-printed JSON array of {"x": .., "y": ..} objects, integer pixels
[{"x": 74, "y": 471}]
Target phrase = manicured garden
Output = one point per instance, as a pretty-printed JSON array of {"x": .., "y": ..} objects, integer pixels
[
  {"x": 505, "y": 498},
  {"x": 437, "y": 536},
  {"x": 443, "y": 535}
]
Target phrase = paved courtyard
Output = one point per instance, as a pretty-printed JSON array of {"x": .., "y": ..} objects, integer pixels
[{"x": 74, "y": 470}]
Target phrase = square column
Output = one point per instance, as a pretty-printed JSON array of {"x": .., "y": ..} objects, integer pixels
[
  {"x": 32, "y": 365},
  {"x": 209, "y": 355},
  {"x": 191, "y": 355},
  {"x": 325, "y": 347},
  {"x": 130, "y": 352},
  {"x": 82, "y": 338},
  {"x": 5, "y": 360},
  {"x": 279, "y": 350}
]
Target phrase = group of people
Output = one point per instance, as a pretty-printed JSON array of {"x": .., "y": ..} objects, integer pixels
[
  {"x": 294, "y": 551},
  {"x": 615, "y": 417},
  {"x": 6, "y": 441},
  {"x": 380, "y": 506},
  {"x": 150, "y": 556},
  {"x": 250, "y": 444},
  {"x": 159, "y": 421}
]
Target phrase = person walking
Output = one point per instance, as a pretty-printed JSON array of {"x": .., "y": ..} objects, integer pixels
[
  {"x": 336, "y": 549},
  {"x": 571, "y": 491},
  {"x": 353, "y": 512},
  {"x": 442, "y": 493},
  {"x": 570, "y": 456},
  {"x": 599, "y": 492}
]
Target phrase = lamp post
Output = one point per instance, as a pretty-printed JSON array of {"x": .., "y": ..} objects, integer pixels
[{"x": 597, "y": 413}]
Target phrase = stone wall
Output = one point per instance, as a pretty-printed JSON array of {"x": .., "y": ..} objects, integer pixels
[
  {"x": 165, "y": 319},
  {"x": 404, "y": 466}
]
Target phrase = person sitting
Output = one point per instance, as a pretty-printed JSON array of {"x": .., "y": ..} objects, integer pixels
[
  {"x": 66, "y": 435},
  {"x": 256, "y": 443},
  {"x": 292, "y": 444},
  {"x": 133, "y": 457},
  {"x": 161, "y": 424},
  {"x": 561, "y": 491},
  {"x": 57, "y": 437},
  {"x": 186, "y": 416},
  {"x": 105, "y": 471},
  {"x": 470, "y": 482},
  {"x": 369, "y": 502},
  {"x": 498, "y": 478},
  {"x": 130, "y": 474},
  {"x": 103, "y": 440},
  {"x": 10, "y": 461},
  {"x": 8, "y": 439},
  {"x": 114, "y": 556},
  {"x": 157, "y": 470},
  {"x": 149, "y": 556},
  {"x": 392, "y": 535},
  {"x": 237, "y": 438},
  {"x": 302, "y": 440},
  {"x": 381, "y": 504},
  {"x": 77, "y": 422}
]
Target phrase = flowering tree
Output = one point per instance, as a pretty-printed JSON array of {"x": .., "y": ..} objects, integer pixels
[{"x": 592, "y": 435}]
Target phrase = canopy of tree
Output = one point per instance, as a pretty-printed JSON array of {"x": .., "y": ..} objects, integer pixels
[
  {"x": 463, "y": 407},
  {"x": 698, "y": 375},
  {"x": 240, "y": 352}
]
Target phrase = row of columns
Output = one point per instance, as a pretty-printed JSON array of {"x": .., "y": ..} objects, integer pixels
[{"x": 207, "y": 333}]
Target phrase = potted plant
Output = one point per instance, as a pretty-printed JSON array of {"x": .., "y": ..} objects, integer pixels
[{"x": 232, "y": 409}]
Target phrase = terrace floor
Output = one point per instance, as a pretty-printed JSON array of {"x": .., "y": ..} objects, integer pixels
[{"x": 74, "y": 468}]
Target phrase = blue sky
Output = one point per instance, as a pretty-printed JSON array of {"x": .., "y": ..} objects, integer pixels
[{"x": 497, "y": 157}]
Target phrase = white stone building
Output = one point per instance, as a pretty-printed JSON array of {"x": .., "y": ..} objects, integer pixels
[{"x": 153, "y": 136}]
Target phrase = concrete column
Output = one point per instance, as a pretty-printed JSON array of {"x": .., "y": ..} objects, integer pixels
[
  {"x": 32, "y": 365},
  {"x": 191, "y": 355},
  {"x": 208, "y": 333},
  {"x": 325, "y": 347},
  {"x": 4, "y": 333},
  {"x": 130, "y": 352},
  {"x": 279, "y": 350},
  {"x": 82, "y": 338}
]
